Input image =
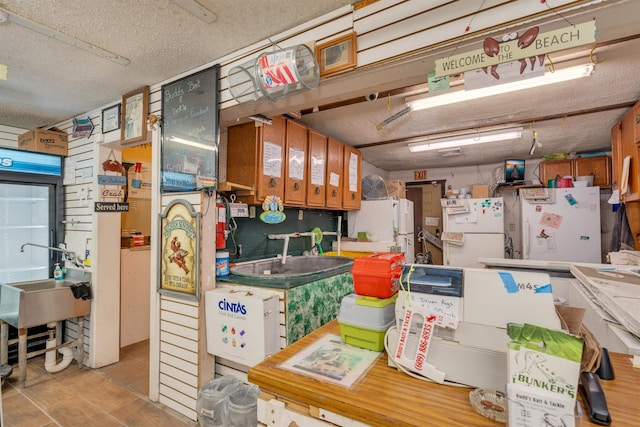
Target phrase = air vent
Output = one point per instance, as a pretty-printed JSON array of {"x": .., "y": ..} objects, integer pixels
[{"x": 450, "y": 152}]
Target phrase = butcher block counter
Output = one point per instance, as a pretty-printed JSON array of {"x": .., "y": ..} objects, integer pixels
[{"x": 386, "y": 397}]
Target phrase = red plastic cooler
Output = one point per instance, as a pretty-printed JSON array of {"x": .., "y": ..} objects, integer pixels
[{"x": 377, "y": 275}]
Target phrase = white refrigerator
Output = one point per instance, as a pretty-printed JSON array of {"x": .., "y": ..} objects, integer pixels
[
  {"x": 561, "y": 224},
  {"x": 472, "y": 228},
  {"x": 389, "y": 226}
]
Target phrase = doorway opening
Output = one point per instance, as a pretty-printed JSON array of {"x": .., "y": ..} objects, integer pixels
[{"x": 427, "y": 210}]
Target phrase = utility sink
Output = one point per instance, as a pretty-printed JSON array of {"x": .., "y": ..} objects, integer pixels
[{"x": 38, "y": 302}]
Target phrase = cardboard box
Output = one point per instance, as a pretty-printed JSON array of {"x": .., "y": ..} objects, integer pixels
[
  {"x": 44, "y": 141},
  {"x": 479, "y": 191},
  {"x": 396, "y": 189}
]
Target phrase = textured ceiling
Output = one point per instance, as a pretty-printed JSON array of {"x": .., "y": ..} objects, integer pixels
[{"x": 49, "y": 81}]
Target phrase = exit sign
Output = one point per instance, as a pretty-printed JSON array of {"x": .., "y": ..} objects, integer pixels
[{"x": 420, "y": 175}]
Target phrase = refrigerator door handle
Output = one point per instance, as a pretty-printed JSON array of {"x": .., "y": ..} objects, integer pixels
[{"x": 526, "y": 235}]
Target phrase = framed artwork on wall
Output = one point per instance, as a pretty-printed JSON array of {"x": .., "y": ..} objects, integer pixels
[
  {"x": 111, "y": 118},
  {"x": 337, "y": 55},
  {"x": 180, "y": 250},
  {"x": 135, "y": 108}
]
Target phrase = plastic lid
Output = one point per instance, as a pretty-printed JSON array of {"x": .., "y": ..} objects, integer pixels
[{"x": 369, "y": 301}]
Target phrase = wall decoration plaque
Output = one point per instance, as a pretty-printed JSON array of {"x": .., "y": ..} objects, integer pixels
[{"x": 179, "y": 254}]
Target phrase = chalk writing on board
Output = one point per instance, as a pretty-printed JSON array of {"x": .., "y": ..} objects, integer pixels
[{"x": 190, "y": 129}]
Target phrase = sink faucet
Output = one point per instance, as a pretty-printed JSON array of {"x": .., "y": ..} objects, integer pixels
[
  {"x": 66, "y": 254},
  {"x": 286, "y": 238}
]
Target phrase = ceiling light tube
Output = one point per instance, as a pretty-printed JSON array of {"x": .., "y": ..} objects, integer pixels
[
  {"x": 467, "y": 139},
  {"x": 64, "y": 38},
  {"x": 420, "y": 102}
]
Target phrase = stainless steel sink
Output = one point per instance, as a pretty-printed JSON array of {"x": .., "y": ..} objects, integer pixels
[{"x": 38, "y": 302}]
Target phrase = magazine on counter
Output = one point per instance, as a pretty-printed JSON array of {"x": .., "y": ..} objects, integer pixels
[{"x": 330, "y": 359}]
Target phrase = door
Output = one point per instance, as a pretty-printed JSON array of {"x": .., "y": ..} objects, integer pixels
[
  {"x": 428, "y": 218},
  {"x": 489, "y": 245},
  {"x": 295, "y": 188},
  {"x": 567, "y": 230}
]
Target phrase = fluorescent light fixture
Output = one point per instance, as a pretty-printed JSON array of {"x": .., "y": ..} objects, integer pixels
[
  {"x": 420, "y": 102},
  {"x": 193, "y": 143},
  {"x": 479, "y": 137},
  {"x": 261, "y": 119},
  {"x": 64, "y": 38},
  {"x": 196, "y": 9}
]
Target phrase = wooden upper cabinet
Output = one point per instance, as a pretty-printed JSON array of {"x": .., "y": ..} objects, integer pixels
[
  {"x": 616, "y": 154},
  {"x": 316, "y": 169},
  {"x": 255, "y": 158},
  {"x": 629, "y": 149},
  {"x": 552, "y": 169},
  {"x": 352, "y": 182},
  {"x": 599, "y": 167},
  {"x": 295, "y": 188},
  {"x": 334, "y": 178},
  {"x": 636, "y": 123}
]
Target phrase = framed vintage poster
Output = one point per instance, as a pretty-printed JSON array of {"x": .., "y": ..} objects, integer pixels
[
  {"x": 135, "y": 108},
  {"x": 190, "y": 132},
  {"x": 180, "y": 250},
  {"x": 336, "y": 55},
  {"x": 111, "y": 118}
]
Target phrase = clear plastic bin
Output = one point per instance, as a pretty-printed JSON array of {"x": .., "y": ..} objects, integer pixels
[
  {"x": 212, "y": 398},
  {"x": 241, "y": 406}
]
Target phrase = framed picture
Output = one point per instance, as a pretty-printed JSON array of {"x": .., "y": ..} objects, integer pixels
[
  {"x": 135, "y": 108},
  {"x": 111, "y": 118},
  {"x": 514, "y": 170},
  {"x": 337, "y": 55}
]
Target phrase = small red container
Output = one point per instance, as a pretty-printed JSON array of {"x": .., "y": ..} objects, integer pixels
[{"x": 377, "y": 275}]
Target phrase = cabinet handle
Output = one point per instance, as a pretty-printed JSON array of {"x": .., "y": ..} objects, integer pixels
[
  {"x": 317, "y": 190},
  {"x": 353, "y": 196},
  {"x": 334, "y": 193},
  {"x": 272, "y": 182},
  {"x": 638, "y": 119},
  {"x": 296, "y": 186}
]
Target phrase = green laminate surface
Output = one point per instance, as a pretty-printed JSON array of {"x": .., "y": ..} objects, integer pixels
[{"x": 312, "y": 305}]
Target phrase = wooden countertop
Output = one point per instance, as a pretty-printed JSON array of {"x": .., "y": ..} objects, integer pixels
[{"x": 385, "y": 396}]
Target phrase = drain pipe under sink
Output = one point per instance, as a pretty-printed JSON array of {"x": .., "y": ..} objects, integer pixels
[{"x": 50, "y": 359}]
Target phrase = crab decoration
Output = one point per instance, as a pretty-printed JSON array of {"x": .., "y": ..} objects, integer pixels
[{"x": 491, "y": 47}]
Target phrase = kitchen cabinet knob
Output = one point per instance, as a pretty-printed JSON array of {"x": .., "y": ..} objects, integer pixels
[
  {"x": 353, "y": 196},
  {"x": 272, "y": 182},
  {"x": 334, "y": 193},
  {"x": 638, "y": 119},
  {"x": 296, "y": 186},
  {"x": 317, "y": 190}
]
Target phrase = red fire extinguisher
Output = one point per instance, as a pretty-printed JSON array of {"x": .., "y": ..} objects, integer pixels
[{"x": 221, "y": 224}]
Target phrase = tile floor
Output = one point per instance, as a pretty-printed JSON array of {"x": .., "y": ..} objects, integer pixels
[{"x": 115, "y": 395}]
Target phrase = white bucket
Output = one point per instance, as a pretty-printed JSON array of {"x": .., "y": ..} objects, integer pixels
[{"x": 222, "y": 263}]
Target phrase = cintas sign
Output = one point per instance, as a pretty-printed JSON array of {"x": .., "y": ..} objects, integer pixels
[{"x": 531, "y": 44}]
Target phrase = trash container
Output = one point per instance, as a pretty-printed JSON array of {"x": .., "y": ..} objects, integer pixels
[
  {"x": 211, "y": 400},
  {"x": 241, "y": 407}
]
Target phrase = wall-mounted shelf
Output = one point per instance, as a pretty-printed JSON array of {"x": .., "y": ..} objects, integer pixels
[{"x": 232, "y": 187}]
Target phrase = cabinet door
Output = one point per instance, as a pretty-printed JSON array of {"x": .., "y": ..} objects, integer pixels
[
  {"x": 636, "y": 123},
  {"x": 334, "y": 177},
  {"x": 243, "y": 158},
  {"x": 551, "y": 169},
  {"x": 599, "y": 167},
  {"x": 316, "y": 169},
  {"x": 616, "y": 154},
  {"x": 629, "y": 148},
  {"x": 295, "y": 188},
  {"x": 271, "y": 168},
  {"x": 352, "y": 181}
]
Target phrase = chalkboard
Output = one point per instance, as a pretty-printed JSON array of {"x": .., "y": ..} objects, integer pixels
[{"x": 190, "y": 132}]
